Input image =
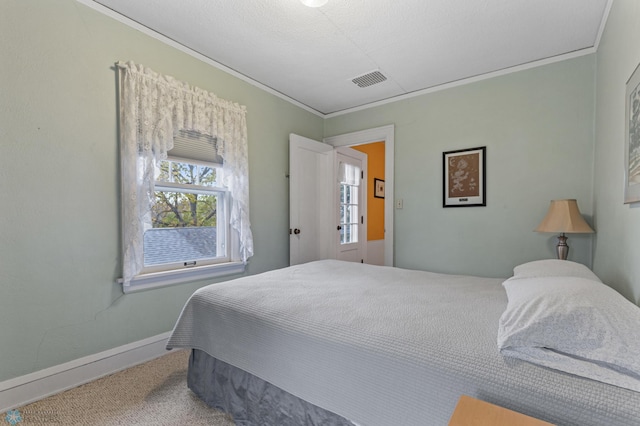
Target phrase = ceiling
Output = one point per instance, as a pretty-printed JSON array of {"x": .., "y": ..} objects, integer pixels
[{"x": 312, "y": 55}]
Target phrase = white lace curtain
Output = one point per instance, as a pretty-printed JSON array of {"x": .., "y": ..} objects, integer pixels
[{"x": 153, "y": 108}]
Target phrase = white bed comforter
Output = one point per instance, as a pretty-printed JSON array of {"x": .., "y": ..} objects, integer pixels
[{"x": 385, "y": 346}]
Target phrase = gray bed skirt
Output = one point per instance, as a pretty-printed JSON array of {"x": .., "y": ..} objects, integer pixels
[{"x": 250, "y": 400}]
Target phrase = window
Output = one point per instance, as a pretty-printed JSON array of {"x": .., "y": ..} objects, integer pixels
[
  {"x": 185, "y": 193},
  {"x": 189, "y": 222},
  {"x": 349, "y": 176},
  {"x": 349, "y": 216}
]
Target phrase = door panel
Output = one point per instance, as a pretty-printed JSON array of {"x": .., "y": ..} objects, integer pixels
[{"x": 310, "y": 195}]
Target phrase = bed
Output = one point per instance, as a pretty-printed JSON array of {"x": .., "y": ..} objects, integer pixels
[{"x": 334, "y": 343}]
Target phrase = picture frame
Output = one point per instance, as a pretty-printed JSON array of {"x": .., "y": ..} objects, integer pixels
[
  {"x": 632, "y": 139},
  {"x": 378, "y": 188},
  {"x": 464, "y": 178}
]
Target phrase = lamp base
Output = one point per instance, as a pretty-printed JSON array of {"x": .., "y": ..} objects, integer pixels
[{"x": 562, "y": 248}]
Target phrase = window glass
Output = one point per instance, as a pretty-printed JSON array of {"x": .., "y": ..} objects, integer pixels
[
  {"x": 349, "y": 215},
  {"x": 188, "y": 218}
]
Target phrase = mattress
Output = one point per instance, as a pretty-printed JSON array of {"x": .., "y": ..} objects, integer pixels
[{"x": 380, "y": 345}]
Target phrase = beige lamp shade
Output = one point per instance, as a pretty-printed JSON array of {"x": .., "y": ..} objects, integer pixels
[{"x": 564, "y": 216}]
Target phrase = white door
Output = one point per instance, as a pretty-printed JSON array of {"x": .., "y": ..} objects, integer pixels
[
  {"x": 310, "y": 196},
  {"x": 351, "y": 198}
]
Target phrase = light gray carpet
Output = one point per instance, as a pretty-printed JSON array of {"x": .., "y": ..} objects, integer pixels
[{"x": 153, "y": 393}]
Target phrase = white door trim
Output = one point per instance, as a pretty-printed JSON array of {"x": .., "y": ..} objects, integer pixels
[{"x": 377, "y": 134}]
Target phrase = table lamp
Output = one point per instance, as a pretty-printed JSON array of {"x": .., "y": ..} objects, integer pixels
[{"x": 564, "y": 216}]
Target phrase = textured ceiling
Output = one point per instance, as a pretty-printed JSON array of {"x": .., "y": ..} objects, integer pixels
[{"x": 311, "y": 55}]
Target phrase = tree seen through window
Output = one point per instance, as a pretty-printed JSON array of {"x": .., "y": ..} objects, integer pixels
[{"x": 183, "y": 202}]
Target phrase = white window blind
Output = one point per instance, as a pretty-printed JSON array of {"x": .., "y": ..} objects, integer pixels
[
  {"x": 349, "y": 174},
  {"x": 193, "y": 145}
]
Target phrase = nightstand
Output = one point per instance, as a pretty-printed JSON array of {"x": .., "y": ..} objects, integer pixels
[{"x": 473, "y": 412}]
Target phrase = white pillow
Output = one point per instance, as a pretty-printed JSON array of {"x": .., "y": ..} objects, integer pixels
[
  {"x": 553, "y": 268},
  {"x": 575, "y": 325}
]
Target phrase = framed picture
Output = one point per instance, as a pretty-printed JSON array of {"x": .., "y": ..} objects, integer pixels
[
  {"x": 378, "y": 188},
  {"x": 632, "y": 139},
  {"x": 464, "y": 178}
]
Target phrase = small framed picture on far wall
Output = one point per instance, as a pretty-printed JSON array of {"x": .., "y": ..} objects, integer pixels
[{"x": 378, "y": 188}]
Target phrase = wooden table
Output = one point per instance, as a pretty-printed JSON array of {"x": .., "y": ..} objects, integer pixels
[{"x": 473, "y": 412}]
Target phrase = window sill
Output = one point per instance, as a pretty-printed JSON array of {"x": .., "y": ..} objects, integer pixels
[{"x": 167, "y": 278}]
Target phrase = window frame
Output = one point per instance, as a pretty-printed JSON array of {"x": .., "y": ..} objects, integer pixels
[
  {"x": 166, "y": 274},
  {"x": 223, "y": 212}
]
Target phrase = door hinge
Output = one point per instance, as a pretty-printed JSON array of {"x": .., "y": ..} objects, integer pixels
[
  {"x": 362, "y": 220},
  {"x": 361, "y": 174}
]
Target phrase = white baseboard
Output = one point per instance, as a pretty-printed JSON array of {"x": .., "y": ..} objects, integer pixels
[{"x": 15, "y": 393}]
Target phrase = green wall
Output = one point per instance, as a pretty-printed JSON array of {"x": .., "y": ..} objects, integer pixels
[
  {"x": 617, "y": 246},
  {"x": 59, "y": 181},
  {"x": 537, "y": 126}
]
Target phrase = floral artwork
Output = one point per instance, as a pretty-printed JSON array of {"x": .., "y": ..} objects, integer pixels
[
  {"x": 632, "y": 151},
  {"x": 634, "y": 137},
  {"x": 464, "y": 178}
]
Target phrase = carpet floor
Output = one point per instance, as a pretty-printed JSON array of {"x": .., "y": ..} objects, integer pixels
[{"x": 153, "y": 393}]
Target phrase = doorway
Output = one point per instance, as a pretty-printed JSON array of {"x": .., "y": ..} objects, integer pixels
[
  {"x": 379, "y": 134},
  {"x": 326, "y": 221},
  {"x": 375, "y": 196}
]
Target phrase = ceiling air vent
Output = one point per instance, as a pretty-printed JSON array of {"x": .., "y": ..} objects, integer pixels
[{"x": 369, "y": 79}]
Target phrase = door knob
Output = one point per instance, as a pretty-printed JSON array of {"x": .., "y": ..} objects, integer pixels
[
  {"x": 339, "y": 227},
  {"x": 296, "y": 231}
]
